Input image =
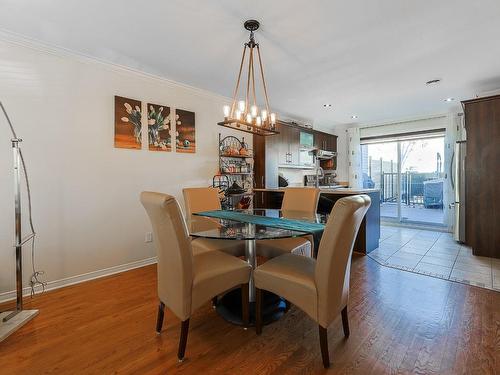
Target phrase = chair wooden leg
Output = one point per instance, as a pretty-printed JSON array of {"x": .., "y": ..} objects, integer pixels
[
  {"x": 159, "y": 319},
  {"x": 258, "y": 311},
  {"x": 345, "y": 322},
  {"x": 244, "y": 305},
  {"x": 183, "y": 339},
  {"x": 288, "y": 305},
  {"x": 323, "y": 342}
]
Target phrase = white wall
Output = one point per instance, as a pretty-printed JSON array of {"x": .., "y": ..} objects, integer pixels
[{"x": 86, "y": 192}]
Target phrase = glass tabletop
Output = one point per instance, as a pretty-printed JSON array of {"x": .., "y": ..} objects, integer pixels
[{"x": 229, "y": 229}]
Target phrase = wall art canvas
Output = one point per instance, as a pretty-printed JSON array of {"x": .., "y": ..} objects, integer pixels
[
  {"x": 186, "y": 133},
  {"x": 159, "y": 128},
  {"x": 128, "y": 126}
]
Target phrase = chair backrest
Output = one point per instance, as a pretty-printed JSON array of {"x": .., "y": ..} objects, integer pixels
[
  {"x": 333, "y": 264},
  {"x": 300, "y": 199},
  {"x": 201, "y": 199},
  {"x": 173, "y": 249}
]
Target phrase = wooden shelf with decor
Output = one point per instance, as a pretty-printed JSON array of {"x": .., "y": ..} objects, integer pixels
[{"x": 235, "y": 178}]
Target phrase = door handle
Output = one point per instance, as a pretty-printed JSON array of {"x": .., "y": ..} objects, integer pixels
[{"x": 451, "y": 170}]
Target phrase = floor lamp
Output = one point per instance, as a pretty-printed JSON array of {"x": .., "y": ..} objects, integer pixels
[{"x": 13, "y": 320}]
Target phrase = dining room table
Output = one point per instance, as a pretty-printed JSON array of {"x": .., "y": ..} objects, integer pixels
[{"x": 251, "y": 226}]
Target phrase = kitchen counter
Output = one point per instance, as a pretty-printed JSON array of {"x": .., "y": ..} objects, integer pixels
[
  {"x": 327, "y": 190},
  {"x": 369, "y": 231}
]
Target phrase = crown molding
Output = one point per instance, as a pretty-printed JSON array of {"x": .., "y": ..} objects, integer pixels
[{"x": 62, "y": 52}]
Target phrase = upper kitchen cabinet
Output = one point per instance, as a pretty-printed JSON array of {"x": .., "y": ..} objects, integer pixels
[
  {"x": 288, "y": 145},
  {"x": 325, "y": 141},
  {"x": 284, "y": 150}
]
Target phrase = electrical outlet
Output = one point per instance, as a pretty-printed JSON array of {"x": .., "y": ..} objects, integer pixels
[{"x": 148, "y": 237}]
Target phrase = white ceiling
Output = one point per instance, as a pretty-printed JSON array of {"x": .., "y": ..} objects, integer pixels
[{"x": 369, "y": 58}]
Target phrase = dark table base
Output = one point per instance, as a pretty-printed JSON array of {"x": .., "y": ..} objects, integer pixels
[{"x": 229, "y": 307}]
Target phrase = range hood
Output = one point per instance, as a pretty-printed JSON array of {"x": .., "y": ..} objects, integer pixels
[{"x": 325, "y": 155}]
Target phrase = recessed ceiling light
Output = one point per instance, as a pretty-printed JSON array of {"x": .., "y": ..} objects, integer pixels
[
  {"x": 449, "y": 99},
  {"x": 433, "y": 82},
  {"x": 354, "y": 117},
  {"x": 327, "y": 105}
]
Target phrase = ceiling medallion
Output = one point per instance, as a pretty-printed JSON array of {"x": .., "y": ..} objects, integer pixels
[{"x": 245, "y": 115}]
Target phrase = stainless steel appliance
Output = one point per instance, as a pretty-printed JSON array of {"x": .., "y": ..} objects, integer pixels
[{"x": 458, "y": 183}]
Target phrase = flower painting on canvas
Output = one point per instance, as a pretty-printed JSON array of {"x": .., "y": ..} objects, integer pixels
[
  {"x": 159, "y": 128},
  {"x": 185, "y": 135},
  {"x": 128, "y": 129}
]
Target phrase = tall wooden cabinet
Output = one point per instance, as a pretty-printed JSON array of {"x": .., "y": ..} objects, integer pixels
[{"x": 482, "y": 175}]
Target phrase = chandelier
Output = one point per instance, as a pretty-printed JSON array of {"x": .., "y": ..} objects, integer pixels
[{"x": 244, "y": 114}]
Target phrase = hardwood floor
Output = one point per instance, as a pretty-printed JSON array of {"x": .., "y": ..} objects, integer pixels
[{"x": 399, "y": 323}]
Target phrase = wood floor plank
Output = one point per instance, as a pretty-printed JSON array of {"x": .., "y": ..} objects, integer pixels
[{"x": 400, "y": 323}]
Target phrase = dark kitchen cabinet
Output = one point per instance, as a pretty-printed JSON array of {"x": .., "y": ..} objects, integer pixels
[
  {"x": 259, "y": 166},
  {"x": 325, "y": 141},
  {"x": 319, "y": 140},
  {"x": 482, "y": 176}
]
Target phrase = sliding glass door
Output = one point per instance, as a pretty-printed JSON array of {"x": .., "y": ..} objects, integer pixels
[
  {"x": 409, "y": 173},
  {"x": 380, "y": 170}
]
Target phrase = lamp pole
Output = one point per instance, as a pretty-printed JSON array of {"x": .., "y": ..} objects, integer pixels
[
  {"x": 21, "y": 317},
  {"x": 18, "y": 235}
]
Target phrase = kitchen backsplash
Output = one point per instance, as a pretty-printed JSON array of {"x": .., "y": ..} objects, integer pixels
[{"x": 295, "y": 177}]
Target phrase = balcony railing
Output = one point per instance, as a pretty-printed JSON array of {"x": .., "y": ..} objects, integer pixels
[{"x": 416, "y": 189}]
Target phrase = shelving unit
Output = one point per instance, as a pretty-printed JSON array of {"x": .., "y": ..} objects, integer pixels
[{"x": 235, "y": 168}]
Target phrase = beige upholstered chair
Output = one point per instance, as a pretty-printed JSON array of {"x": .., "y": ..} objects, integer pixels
[
  {"x": 300, "y": 199},
  {"x": 318, "y": 287},
  {"x": 207, "y": 199},
  {"x": 187, "y": 281},
  {"x": 297, "y": 203}
]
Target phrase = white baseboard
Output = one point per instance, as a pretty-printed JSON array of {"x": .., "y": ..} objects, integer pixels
[{"x": 56, "y": 284}]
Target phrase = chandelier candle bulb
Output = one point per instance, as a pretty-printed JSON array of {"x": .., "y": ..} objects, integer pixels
[
  {"x": 264, "y": 115},
  {"x": 226, "y": 110},
  {"x": 273, "y": 118},
  {"x": 238, "y": 114},
  {"x": 249, "y": 118},
  {"x": 241, "y": 105},
  {"x": 253, "y": 111},
  {"x": 258, "y": 121}
]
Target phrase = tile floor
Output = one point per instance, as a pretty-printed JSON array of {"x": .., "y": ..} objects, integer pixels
[{"x": 435, "y": 254}]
